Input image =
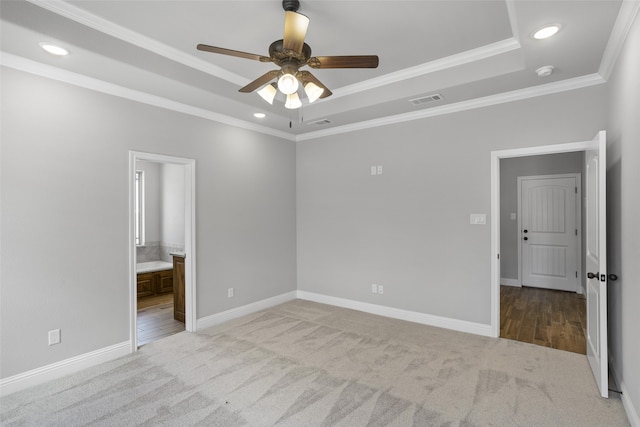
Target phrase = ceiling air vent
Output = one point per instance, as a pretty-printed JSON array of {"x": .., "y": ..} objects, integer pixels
[
  {"x": 321, "y": 122},
  {"x": 426, "y": 99}
]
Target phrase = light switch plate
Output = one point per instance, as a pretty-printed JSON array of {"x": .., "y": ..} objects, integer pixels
[
  {"x": 513, "y": 215},
  {"x": 478, "y": 219}
]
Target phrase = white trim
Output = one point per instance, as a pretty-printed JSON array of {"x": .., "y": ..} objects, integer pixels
[
  {"x": 513, "y": 20},
  {"x": 396, "y": 313},
  {"x": 621, "y": 28},
  {"x": 234, "y": 313},
  {"x": 64, "y": 367},
  {"x": 495, "y": 212},
  {"x": 510, "y": 282},
  {"x": 54, "y": 73},
  {"x": 473, "y": 55},
  {"x": 501, "y": 98},
  {"x": 189, "y": 240},
  {"x": 105, "y": 26},
  {"x": 627, "y": 402}
]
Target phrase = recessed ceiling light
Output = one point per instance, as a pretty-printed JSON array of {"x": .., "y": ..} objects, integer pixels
[
  {"x": 53, "y": 49},
  {"x": 546, "y": 31},
  {"x": 259, "y": 115}
]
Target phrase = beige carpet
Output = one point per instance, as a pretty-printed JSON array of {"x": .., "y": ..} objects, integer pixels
[{"x": 308, "y": 364}]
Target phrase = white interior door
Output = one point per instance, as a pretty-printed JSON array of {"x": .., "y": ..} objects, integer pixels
[
  {"x": 596, "y": 261},
  {"x": 549, "y": 231}
]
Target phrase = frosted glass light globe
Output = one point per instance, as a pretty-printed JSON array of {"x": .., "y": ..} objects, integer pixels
[{"x": 288, "y": 84}]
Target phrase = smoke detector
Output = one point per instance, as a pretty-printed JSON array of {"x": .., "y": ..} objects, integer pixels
[{"x": 544, "y": 71}]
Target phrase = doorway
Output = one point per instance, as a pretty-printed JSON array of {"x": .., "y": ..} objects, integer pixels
[
  {"x": 541, "y": 251},
  {"x": 506, "y": 166},
  {"x": 153, "y": 259},
  {"x": 595, "y": 236}
]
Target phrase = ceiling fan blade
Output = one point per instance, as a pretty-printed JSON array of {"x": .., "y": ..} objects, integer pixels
[
  {"x": 353, "y": 61},
  {"x": 306, "y": 77},
  {"x": 260, "y": 81},
  {"x": 295, "y": 30},
  {"x": 231, "y": 52}
]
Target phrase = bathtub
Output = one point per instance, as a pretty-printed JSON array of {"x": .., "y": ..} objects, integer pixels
[{"x": 149, "y": 266}]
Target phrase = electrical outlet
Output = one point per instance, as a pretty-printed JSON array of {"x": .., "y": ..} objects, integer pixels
[
  {"x": 54, "y": 336},
  {"x": 379, "y": 169},
  {"x": 374, "y": 170},
  {"x": 374, "y": 288},
  {"x": 380, "y": 289},
  {"x": 230, "y": 293},
  {"x": 478, "y": 219}
]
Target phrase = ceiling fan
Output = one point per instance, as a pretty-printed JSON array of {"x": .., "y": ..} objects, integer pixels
[{"x": 291, "y": 53}]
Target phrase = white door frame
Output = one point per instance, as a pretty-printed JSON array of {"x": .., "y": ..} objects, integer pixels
[
  {"x": 578, "y": 219},
  {"x": 189, "y": 239},
  {"x": 495, "y": 213}
]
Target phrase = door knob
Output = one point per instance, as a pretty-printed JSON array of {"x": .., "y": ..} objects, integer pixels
[
  {"x": 613, "y": 277},
  {"x": 526, "y": 231},
  {"x": 593, "y": 276},
  {"x": 526, "y": 238}
]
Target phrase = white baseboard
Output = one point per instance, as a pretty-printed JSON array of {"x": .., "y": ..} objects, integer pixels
[
  {"x": 234, "y": 313},
  {"x": 632, "y": 411},
  {"x": 64, "y": 367},
  {"x": 395, "y": 313},
  {"x": 510, "y": 282}
]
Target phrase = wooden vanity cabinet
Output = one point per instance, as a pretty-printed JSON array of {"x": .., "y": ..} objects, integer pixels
[
  {"x": 155, "y": 283},
  {"x": 146, "y": 284},
  {"x": 165, "y": 282},
  {"x": 178, "y": 289}
]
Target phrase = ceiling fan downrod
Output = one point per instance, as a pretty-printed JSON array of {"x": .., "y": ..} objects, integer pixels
[{"x": 290, "y": 5}]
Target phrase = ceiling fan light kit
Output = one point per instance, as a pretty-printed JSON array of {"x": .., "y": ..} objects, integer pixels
[
  {"x": 293, "y": 101},
  {"x": 291, "y": 53},
  {"x": 313, "y": 91},
  {"x": 288, "y": 84},
  {"x": 268, "y": 93}
]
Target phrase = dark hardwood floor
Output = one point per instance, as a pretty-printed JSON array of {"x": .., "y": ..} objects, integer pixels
[
  {"x": 545, "y": 317},
  {"x": 155, "y": 320}
]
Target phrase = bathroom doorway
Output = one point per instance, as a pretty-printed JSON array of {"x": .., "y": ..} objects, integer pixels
[{"x": 162, "y": 252}]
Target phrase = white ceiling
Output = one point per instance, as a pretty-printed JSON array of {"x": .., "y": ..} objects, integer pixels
[{"x": 470, "y": 52}]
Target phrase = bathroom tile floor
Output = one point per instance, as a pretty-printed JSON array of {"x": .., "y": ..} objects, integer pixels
[{"x": 156, "y": 322}]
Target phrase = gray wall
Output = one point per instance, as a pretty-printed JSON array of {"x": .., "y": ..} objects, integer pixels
[
  {"x": 510, "y": 170},
  {"x": 408, "y": 229},
  {"x": 623, "y": 203},
  {"x": 65, "y": 213}
]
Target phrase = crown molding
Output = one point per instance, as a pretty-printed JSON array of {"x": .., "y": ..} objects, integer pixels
[
  {"x": 626, "y": 17},
  {"x": 513, "y": 20},
  {"x": 90, "y": 20},
  {"x": 473, "y": 55},
  {"x": 54, "y": 73},
  {"x": 501, "y": 98}
]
